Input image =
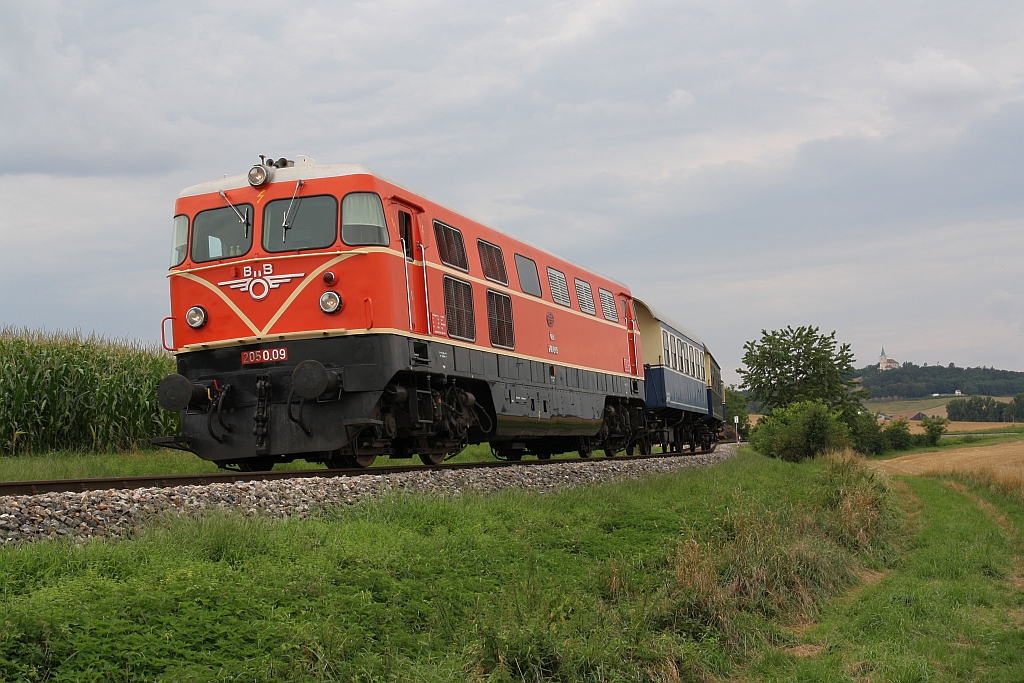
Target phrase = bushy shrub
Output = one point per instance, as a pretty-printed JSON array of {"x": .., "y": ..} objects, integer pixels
[
  {"x": 896, "y": 436},
  {"x": 865, "y": 434},
  {"x": 934, "y": 428},
  {"x": 800, "y": 431}
]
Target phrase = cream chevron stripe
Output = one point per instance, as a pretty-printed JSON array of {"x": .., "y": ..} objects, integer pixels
[
  {"x": 212, "y": 287},
  {"x": 302, "y": 285}
]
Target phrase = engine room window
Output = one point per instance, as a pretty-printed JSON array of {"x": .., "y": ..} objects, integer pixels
[
  {"x": 529, "y": 278},
  {"x": 458, "y": 309},
  {"x": 312, "y": 223},
  {"x": 675, "y": 364},
  {"x": 608, "y": 305},
  {"x": 451, "y": 248},
  {"x": 179, "y": 241},
  {"x": 499, "y": 320},
  {"x": 664, "y": 345},
  {"x": 493, "y": 262},
  {"x": 217, "y": 233},
  {"x": 585, "y": 297},
  {"x": 559, "y": 287},
  {"x": 362, "y": 220}
]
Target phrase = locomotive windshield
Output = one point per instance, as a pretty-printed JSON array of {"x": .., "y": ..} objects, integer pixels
[
  {"x": 179, "y": 241},
  {"x": 217, "y": 234},
  {"x": 362, "y": 220},
  {"x": 312, "y": 223}
]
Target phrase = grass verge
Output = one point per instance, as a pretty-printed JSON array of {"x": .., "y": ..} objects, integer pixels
[
  {"x": 673, "y": 577},
  {"x": 950, "y": 609}
]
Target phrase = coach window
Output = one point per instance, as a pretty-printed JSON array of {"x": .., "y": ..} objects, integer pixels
[
  {"x": 300, "y": 223},
  {"x": 179, "y": 241},
  {"x": 218, "y": 234},
  {"x": 529, "y": 279},
  {"x": 665, "y": 345},
  {"x": 405, "y": 234},
  {"x": 362, "y": 220}
]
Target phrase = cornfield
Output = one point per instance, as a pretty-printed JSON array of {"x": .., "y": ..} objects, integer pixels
[{"x": 61, "y": 391}]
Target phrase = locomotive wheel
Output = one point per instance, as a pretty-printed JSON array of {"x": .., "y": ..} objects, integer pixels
[
  {"x": 363, "y": 460},
  {"x": 693, "y": 446},
  {"x": 585, "y": 450},
  {"x": 514, "y": 456},
  {"x": 644, "y": 446},
  {"x": 629, "y": 449},
  {"x": 543, "y": 456},
  {"x": 432, "y": 458}
]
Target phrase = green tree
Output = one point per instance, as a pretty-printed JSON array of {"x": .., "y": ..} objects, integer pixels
[
  {"x": 736, "y": 404},
  {"x": 790, "y": 365},
  {"x": 934, "y": 428}
]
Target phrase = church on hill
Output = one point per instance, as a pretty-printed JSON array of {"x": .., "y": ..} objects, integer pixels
[{"x": 886, "y": 363}]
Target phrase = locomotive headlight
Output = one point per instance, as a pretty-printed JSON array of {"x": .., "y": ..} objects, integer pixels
[
  {"x": 330, "y": 302},
  {"x": 258, "y": 175},
  {"x": 196, "y": 317}
]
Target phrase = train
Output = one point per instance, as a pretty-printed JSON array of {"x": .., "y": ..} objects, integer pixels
[{"x": 328, "y": 313}]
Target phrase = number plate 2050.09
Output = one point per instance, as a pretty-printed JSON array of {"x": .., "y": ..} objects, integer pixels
[{"x": 258, "y": 356}]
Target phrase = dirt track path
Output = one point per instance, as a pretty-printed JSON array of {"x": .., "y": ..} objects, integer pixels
[{"x": 1003, "y": 459}]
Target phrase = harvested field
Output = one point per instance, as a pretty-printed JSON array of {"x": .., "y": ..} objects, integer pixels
[
  {"x": 965, "y": 427},
  {"x": 1005, "y": 461}
]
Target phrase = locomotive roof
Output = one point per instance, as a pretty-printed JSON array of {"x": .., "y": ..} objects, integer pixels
[
  {"x": 310, "y": 171},
  {"x": 671, "y": 323}
]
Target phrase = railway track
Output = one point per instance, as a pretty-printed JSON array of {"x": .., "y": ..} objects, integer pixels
[{"x": 29, "y": 488}]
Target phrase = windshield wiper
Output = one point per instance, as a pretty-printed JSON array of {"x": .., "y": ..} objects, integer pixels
[
  {"x": 285, "y": 225},
  {"x": 243, "y": 220}
]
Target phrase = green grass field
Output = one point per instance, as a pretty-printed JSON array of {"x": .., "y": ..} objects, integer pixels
[{"x": 674, "y": 577}]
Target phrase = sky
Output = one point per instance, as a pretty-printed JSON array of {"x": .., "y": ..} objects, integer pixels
[{"x": 742, "y": 166}]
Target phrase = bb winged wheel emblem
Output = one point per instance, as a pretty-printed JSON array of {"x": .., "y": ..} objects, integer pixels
[{"x": 259, "y": 281}]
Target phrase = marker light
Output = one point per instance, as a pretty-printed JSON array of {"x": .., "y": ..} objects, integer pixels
[
  {"x": 330, "y": 302},
  {"x": 258, "y": 175},
  {"x": 196, "y": 317}
]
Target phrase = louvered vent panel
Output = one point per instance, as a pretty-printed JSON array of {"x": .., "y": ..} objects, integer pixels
[
  {"x": 585, "y": 297},
  {"x": 493, "y": 262},
  {"x": 458, "y": 309},
  {"x": 450, "y": 247},
  {"x": 608, "y": 305},
  {"x": 559, "y": 287},
  {"x": 499, "y": 320}
]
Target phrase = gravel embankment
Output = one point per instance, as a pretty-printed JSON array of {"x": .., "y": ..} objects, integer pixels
[{"x": 114, "y": 511}]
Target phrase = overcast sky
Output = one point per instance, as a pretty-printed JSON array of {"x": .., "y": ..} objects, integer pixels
[{"x": 740, "y": 165}]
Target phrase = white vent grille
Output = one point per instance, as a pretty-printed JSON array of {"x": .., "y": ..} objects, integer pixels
[
  {"x": 608, "y": 305},
  {"x": 585, "y": 297},
  {"x": 559, "y": 287}
]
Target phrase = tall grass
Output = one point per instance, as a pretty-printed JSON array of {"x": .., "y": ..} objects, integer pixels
[{"x": 63, "y": 391}]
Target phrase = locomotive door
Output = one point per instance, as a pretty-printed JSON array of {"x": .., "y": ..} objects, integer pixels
[{"x": 406, "y": 220}]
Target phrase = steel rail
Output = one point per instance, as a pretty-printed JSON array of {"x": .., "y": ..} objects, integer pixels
[{"x": 29, "y": 488}]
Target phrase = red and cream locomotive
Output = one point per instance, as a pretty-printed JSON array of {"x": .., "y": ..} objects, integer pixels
[{"x": 325, "y": 312}]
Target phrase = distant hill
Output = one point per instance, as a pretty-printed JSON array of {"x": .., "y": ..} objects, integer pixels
[{"x": 914, "y": 381}]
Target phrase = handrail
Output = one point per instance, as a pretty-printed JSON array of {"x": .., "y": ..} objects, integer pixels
[
  {"x": 163, "y": 334},
  {"x": 408, "y": 290}
]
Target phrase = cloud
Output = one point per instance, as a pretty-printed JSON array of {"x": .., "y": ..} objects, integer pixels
[{"x": 744, "y": 165}]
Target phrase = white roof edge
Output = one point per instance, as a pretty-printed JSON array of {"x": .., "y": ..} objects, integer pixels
[
  {"x": 671, "y": 323},
  {"x": 293, "y": 173}
]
